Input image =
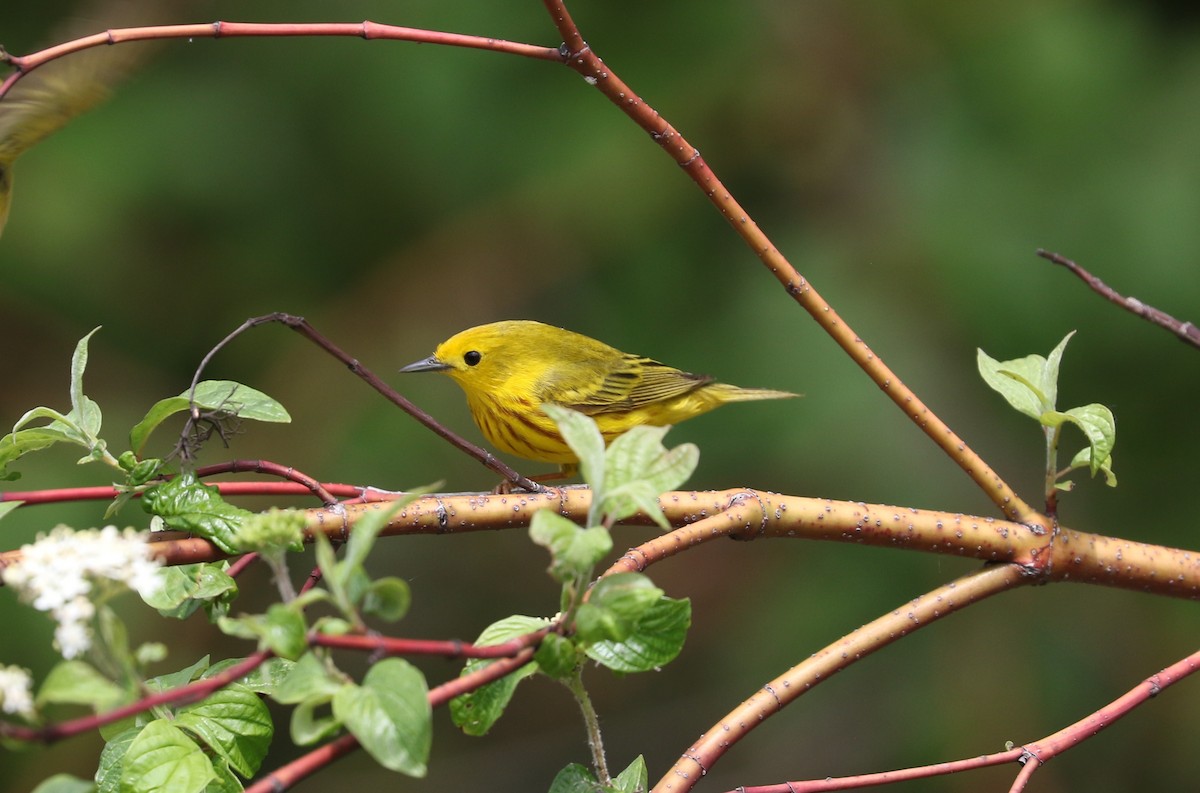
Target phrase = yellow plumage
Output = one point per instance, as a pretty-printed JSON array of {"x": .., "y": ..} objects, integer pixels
[{"x": 508, "y": 370}]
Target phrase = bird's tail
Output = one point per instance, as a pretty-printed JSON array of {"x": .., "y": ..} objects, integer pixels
[{"x": 724, "y": 392}]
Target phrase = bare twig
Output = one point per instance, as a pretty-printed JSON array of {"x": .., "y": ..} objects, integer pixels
[{"x": 1186, "y": 331}]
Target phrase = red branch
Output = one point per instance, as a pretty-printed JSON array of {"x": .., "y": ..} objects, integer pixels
[
  {"x": 288, "y": 775},
  {"x": 386, "y": 645},
  {"x": 192, "y": 692},
  {"x": 218, "y": 30},
  {"x": 1031, "y": 755}
]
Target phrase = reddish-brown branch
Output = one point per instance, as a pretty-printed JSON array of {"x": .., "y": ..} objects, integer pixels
[
  {"x": 1186, "y": 331},
  {"x": 288, "y": 775},
  {"x": 1031, "y": 754},
  {"x": 192, "y": 692},
  {"x": 386, "y": 645},
  {"x": 218, "y": 30}
]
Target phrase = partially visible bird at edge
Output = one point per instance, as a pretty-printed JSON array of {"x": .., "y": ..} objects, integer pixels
[{"x": 509, "y": 370}]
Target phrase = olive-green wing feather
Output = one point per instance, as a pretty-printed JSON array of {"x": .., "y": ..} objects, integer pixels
[{"x": 632, "y": 382}]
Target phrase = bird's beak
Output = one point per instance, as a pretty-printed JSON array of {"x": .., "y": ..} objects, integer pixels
[{"x": 430, "y": 364}]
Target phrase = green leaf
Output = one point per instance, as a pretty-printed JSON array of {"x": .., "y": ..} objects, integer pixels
[
  {"x": 1083, "y": 459},
  {"x": 185, "y": 587},
  {"x": 226, "y": 395},
  {"x": 615, "y": 606},
  {"x": 634, "y": 779},
  {"x": 234, "y": 723},
  {"x": 65, "y": 783},
  {"x": 264, "y": 679},
  {"x": 390, "y": 716},
  {"x": 8, "y": 506},
  {"x": 281, "y": 630},
  {"x": 187, "y": 505},
  {"x": 637, "y": 469},
  {"x": 1015, "y": 381},
  {"x": 240, "y": 400},
  {"x": 108, "y": 772},
  {"x": 581, "y": 434},
  {"x": 1030, "y": 384},
  {"x": 557, "y": 656},
  {"x": 656, "y": 640},
  {"x": 163, "y": 758},
  {"x": 307, "y": 728},
  {"x": 78, "y": 365},
  {"x": 308, "y": 679},
  {"x": 387, "y": 598},
  {"x": 573, "y": 551},
  {"x": 1100, "y": 427},
  {"x": 509, "y": 628},
  {"x": 476, "y": 711},
  {"x": 575, "y": 779},
  {"x": 79, "y": 683},
  {"x": 225, "y": 781},
  {"x": 173, "y": 680},
  {"x": 310, "y": 686}
]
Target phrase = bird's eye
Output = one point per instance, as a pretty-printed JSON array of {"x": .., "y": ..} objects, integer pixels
[{"x": 472, "y": 357}]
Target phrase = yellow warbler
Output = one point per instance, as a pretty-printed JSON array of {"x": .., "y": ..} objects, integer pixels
[{"x": 508, "y": 370}]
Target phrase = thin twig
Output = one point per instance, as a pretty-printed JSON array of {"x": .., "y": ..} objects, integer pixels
[{"x": 1186, "y": 331}]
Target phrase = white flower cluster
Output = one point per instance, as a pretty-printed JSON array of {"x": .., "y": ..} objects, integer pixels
[
  {"x": 59, "y": 572},
  {"x": 15, "y": 686}
]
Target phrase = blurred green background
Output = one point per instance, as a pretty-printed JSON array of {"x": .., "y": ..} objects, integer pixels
[{"x": 908, "y": 158}]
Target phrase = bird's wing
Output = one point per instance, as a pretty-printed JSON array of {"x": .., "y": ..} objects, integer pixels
[{"x": 632, "y": 382}]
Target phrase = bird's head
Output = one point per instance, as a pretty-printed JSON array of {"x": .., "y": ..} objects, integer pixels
[{"x": 484, "y": 358}]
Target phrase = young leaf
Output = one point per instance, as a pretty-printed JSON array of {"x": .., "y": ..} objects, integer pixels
[
  {"x": 78, "y": 683},
  {"x": 306, "y": 727},
  {"x": 1030, "y": 384},
  {"x": 163, "y": 759},
  {"x": 634, "y": 779},
  {"x": 657, "y": 638},
  {"x": 309, "y": 679},
  {"x": 65, "y": 783},
  {"x": 1083, "y": 459},
  {"x": 188, "y": 505},
  {"x": 1100, "y": 427},
  {"x": 234, "y": 723},
  {"x": 390, "y": 716},
  {"x": 585, "y": 440},
  {"x": 185, "y": 587},
  {"x": 575, "y": 779},
  {"x": 387, "y": 598},
  {"x": 573, "y": 551},
  {"x": 281, "y": 629},
  {"x": 476, "y": 711},
  {"x": 556, "y": 656}
]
